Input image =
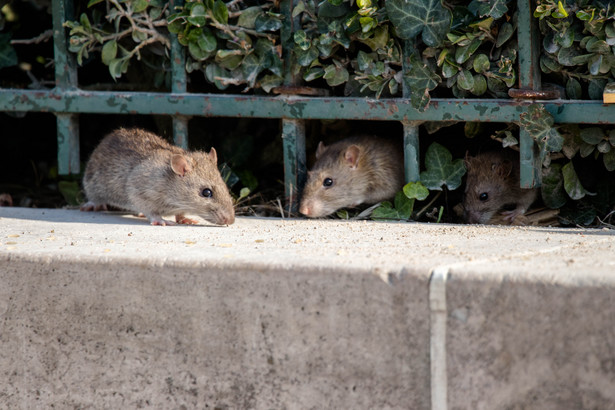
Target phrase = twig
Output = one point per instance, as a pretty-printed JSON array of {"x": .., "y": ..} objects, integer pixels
[
  {"x": 426, "y": 207},
  {"x": 280, "y": 207},
  {"x": 44, "y": 36}
]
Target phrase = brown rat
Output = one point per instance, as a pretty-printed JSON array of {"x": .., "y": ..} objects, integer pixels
[
  {"x": 136, "y": 170},
  {"x": 492, "y": 185},
  {"x": 353, "y": 171}
]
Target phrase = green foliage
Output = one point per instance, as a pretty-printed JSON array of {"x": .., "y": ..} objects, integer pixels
[
  {"x": 129, "y": 29},
  {"x": 71, "y": 192},
  {"x": 426, "y": 17},
  {"x": 577, "y": 45},
  {"x": 472, "y": 60},
  {"x": 441, "y": 170},
  {"x": 232, "y": 46},
  {"x": 403, "y": 205},
  {"x": 539, "y": 124}
]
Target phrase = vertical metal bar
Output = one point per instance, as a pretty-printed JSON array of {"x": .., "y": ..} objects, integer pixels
[
  {"x": 178, "y": 84},
  {"x": 411, "y": 129},
  {"x": 528, "y": 38},
  {"x": 411, "y": 151},
  {"x": 293, "y": 131},
  {"x": 66, "y": 78},
  {"x": 293, "y": 139}
]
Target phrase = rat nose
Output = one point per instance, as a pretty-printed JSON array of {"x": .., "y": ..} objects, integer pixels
[
  {"x": 304, "y": 209},
  {"x": 227, "y": 219}
]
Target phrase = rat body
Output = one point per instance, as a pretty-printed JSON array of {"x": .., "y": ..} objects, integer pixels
[
  {"x": 136, "y": 170},
  {"x": 353, "y": 171},
  {"x": 492, "y": 185}
]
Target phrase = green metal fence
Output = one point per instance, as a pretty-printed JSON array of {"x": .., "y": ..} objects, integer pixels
[{"x": 66, "y": 100}]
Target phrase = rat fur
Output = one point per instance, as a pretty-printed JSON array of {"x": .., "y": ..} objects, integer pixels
[
  {"x": 356, "y": 170},
  {"x": 492, "y": 185},
  {"x": 136, "y": 170}
]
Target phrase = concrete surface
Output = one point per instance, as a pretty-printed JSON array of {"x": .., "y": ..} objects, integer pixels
[{"x": 104, "y": 311}]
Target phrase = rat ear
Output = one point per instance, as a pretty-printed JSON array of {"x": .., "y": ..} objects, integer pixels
[
  {"x": 351, "y": 155},
  {"x": 320, "y": 149},
  {"x": 503, "y": 168},
  {"x": 180, "y": 165},
  {"x": 213, "y": 155}
]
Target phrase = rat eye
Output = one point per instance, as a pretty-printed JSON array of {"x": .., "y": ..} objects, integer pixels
[
  {"x": 207, "y": 193},
  {"x": 327, "y": 182},
  {"x": 483, "y": 197}
]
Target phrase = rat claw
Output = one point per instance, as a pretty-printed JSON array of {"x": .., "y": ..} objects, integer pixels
[
  {"x": 91, "y": 206},
  {"x": 158, "y": 221},
  {"x": 511, "y": 215}
]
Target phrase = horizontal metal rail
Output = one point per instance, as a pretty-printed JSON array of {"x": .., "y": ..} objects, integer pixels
[{"x": 221, "y": 105}]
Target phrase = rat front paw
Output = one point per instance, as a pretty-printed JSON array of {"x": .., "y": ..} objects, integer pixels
[
  {"x": 181, "y": 219},
  {"x": 510, "y": 216},
  {"x": 91, "y": 206},
  {"x": 157, "y": 220}
]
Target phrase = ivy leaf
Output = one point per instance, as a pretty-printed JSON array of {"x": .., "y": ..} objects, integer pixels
[
  {"x": 301, "y": 40},
  {"x": 420, "y": 79},
  {"x": 336, "y": 75},
  {"x": 416, "y": 190},
  {"x": 414, "y": 17},
  {"x": 269, "y": 82},
  {"x": 267, "y": 22},
  {"x": 538, "y": 122},
  {"x": 251, "y": 68},
  {"x": 441, "y": 169},
  {"x": 492, "y": 8},
  {"x": 572, "y": 185},
  {"x": 402, "y": 210},
  {"x": 306, "y": 57},
  {"x": 552, "y": 189}
]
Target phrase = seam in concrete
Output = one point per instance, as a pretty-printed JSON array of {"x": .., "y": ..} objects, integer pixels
[
  {"x": 438, "y": 314},
  {"x": 438, "y": 322}
]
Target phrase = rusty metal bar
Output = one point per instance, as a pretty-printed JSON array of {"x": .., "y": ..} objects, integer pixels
[
  {"x": 178, "y": 84},
  {"x": 66, "y": 79},
  {"x": 293, "y": 130},
  {"x": 225, "y": 105},
  {"x": 412, "y": 160},
  {"x": 528, "y": 37}
]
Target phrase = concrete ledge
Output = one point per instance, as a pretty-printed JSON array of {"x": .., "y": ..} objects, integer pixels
[{"x": 105, "y": 311}]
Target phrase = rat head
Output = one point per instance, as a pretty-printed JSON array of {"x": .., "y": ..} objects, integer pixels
[
  {"x": 335, "y": 181},
  {"x": 199, "y": 188},
  {"x": 487, "y": 179}
]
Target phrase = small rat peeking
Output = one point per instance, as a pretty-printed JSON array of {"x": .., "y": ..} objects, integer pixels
[
  {"x": 138, "y": 171},
  {"x": 356, "y": 170},
  {"x": 492, "y": 186}
]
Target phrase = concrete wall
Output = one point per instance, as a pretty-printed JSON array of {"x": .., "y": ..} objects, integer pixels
[
  {"x": 119, "y": 336},
  {"x": 101, "y": 311}
]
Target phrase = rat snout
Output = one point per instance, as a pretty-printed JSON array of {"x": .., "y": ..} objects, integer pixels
[
  {"x": 471, "y": 217},
  {"x": 226, "y": 218}
]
